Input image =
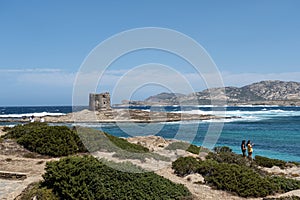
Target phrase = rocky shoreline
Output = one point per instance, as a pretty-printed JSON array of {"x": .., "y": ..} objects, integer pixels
[{"x": 119, "y": 116}]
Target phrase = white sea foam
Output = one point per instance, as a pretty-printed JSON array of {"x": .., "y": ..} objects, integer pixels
[
  {"x": 41, "y": 114},
  {"x": 184, "y": 122},
  {"x": 244, "y": 115},
  {"x": 94, "y": 125}
]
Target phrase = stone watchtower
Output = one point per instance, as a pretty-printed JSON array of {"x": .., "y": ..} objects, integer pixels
[{"x": 99, "y": 102}]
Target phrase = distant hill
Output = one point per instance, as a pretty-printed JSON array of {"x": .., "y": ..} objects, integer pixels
[{"x": 264, "y": 92}]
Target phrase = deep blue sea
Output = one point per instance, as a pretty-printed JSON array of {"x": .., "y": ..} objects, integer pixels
[{"x": 274, "y": 130}]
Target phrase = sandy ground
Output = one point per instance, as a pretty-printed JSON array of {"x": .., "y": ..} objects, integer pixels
[
  {"x": 12, "y": 159},
  {"x": 33, "y": 168}
]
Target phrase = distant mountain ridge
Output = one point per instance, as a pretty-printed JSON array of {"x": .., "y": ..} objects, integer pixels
[{"x": 264, "y": 92}]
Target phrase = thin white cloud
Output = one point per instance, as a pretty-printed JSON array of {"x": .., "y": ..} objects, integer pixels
[
  {"x": 57, "y": 79},
  {"x": 54, "y": 79},
  {"x": 31, "y": 70}
]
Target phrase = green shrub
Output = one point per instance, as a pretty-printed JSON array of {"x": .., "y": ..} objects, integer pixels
[
  {"x": 295, "y": 163},
  {"x": 6, "y": 128},
  {"x": 227, "y": 157},
  {"x": 239, "y": 179},
  {"x": 96, "y": 140},
  {"x": 61, "y": 141},
  {"x": 268, "y": 162},
  {"x": 178, "y": 145},
  {"x": 185, "y": 146},
  {"x": 36, "y": 190},
  {"x": 47, "y": 140},
  {"x": 125, "y": 145},
  {"x": 194, "y": 149},
  {"x": 222, "y": 149},
  {"x": 185, "y": 165},
  {"x": 88, "y": 178},
  {"x": 23, "y": 129},
  {"x": 284, "y": 184}
]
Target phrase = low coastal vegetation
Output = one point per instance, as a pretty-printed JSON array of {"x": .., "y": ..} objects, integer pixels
[
  {"x": 268, "y": 162},
  {"x": 86, "y": 177},
  {"x": 46, "y": 140},
  {"x": 186, "y": 146},
  {"x": 227, "y": 171},
  {"x": 95, "y": 140},
  {"x": 59, "y": 141}
]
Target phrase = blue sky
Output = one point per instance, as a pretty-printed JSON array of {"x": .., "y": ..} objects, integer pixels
[{"x": 43, "y": 43}]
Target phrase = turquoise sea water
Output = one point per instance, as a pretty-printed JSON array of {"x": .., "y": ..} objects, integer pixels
[{"x": 275, "y": 131}]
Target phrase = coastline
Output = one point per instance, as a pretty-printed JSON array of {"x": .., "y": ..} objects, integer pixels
[{"x": 119, "y": 116}]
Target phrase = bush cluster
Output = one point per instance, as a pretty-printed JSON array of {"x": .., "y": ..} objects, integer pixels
[
  {"x": 283, "y": 184},
  {"x": 186, "y": 146},
  {"x": 62, "y": 141},
  {"x": 96, "y": 140},
  {"x": 220, "y": 149},
  {"x": 46, "y": 140},
  {"x": 177, "y": 145},
  {"x": 185, "y": 165},
  {"x": 227, "y": 157},
  {"x": 194, "y": 149},
  {"x": 239, "y": 179},
  {"x": 268, "y": 162},
  {"x": 88, "y": 178}
]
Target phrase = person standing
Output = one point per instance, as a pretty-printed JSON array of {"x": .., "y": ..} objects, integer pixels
[
  {"x": 243, "y": 148},
  {"x": 250, "y": 149}
]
